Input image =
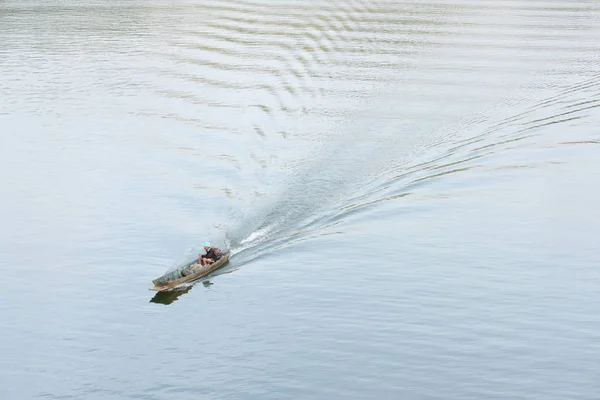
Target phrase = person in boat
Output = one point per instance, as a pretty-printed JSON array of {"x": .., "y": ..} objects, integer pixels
[{"x": 212, "y": 254}]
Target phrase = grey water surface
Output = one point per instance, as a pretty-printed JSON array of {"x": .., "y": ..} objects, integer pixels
[{"x": 410, "y": 190}]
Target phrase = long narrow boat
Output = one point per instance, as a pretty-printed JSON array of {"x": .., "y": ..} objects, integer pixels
[{"x": 191, "y": 272}]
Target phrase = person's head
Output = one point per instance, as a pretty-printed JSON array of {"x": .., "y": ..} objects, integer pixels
[{"x": 207, "y": 246}]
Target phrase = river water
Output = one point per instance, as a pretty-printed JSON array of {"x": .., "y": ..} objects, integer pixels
[{"x": 410, "y": 190}]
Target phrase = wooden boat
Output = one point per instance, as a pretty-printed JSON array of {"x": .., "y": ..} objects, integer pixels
[{"x": 192, "y": 272}]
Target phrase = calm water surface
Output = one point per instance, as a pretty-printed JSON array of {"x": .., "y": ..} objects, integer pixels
[{"x": 410, "y": 190}]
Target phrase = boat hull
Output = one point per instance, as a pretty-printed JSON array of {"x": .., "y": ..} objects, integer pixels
[{"x": 193, "y": 272}]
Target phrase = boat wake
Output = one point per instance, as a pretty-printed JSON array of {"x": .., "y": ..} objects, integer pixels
[{"x": 331, "y": 188}]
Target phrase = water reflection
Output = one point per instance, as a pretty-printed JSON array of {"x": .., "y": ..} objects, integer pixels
[{"x": 170, "y": 296}]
